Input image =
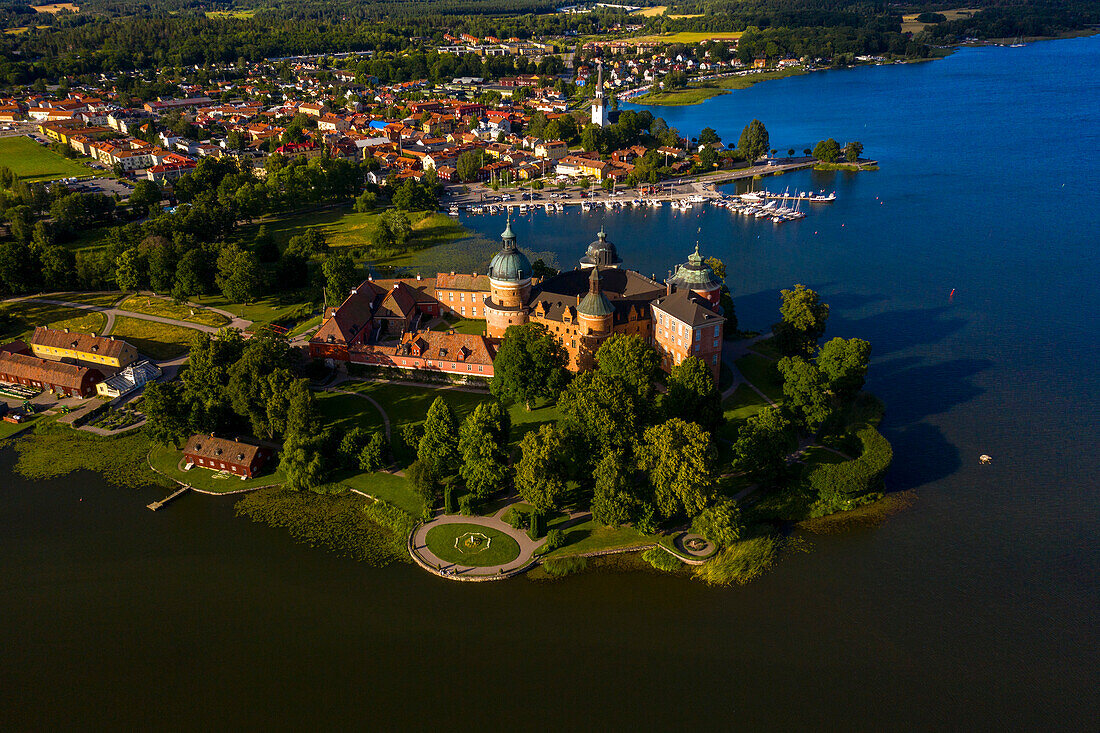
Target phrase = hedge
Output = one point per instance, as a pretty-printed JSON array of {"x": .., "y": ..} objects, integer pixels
[{"x": 839, "y": 486}]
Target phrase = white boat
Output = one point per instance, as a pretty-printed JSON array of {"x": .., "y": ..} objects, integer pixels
[
  {"x": 752, "y": 197},
  {"x": 820, "y": 198},
  {"x": 453, "y": 211}
]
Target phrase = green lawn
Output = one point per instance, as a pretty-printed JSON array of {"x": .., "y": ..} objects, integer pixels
[
  {"x": 768, "y": 348},
  {"x": 342, "y": 412},
  {"x": 680, "y": 97},
  {"x": 304, "y": 326},
  {"x": 409, "y": 404},
  {"x": 471, "y": 544},
  {"x": 167, "y": 461},
  {"x": 106, "y": 299},
  {"x": 465, "y": 325},
  {"x": 343, "y": 227},
  {"x": 746, "y": 81},
  {"x": 763, "y": 374},
  {"x": 394, "y": 489},
  {"x": 742, "y": 404},
  {"x": 272, "y": 309},
  {"x": 167, "y": 309},
  {"x": 591, "y": 536},
  {"x": 155, "y": 340},
  {"x": 8, "y": 429},
  {"x": 18, "y": 320},
  {"x": 33, "y": 162}
]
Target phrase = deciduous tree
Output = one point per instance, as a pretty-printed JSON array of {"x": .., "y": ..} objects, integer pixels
[
  {"x": 483, "y": 444},
  {"x": 763, "y": 444},
  {"x": 693, "y": 396},
  {"x": 843, "y": 362},
  {"x": 529, "y": 365},
  {"x": 753, "y": 141},
  {"x": 541, "y": 472},
  {"x": 438, "y": 447},
  {"x": 804, "y": 317},
  {"x": 678, "y": 457}
]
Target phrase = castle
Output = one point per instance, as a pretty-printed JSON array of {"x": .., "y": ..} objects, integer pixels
[{"x": 382, "y": 322}]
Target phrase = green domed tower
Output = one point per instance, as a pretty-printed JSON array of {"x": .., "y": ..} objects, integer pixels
[
  {"x": 695, "y": 275},
  {"x": 509, "y": 285}
]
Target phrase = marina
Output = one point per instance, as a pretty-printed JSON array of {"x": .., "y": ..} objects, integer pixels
[{"x": 775, "y": 207}]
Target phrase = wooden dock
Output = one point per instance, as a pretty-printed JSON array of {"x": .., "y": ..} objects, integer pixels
[{"x": 158, "y": 504}]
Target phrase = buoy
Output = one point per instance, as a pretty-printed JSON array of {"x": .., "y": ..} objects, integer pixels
[
  {"x": 951, "y": 297},
  {"x": 983, "y": 458}
]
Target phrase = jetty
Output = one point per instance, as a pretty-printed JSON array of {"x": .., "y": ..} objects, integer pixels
[{"x": 158, "y": 504}]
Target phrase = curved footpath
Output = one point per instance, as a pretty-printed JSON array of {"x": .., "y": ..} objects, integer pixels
[
  {"x": 418, "y": 548},
  {"x": 111, "y": 312}
]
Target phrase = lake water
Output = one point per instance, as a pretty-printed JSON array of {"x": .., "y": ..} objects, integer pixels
[{"x": 976, "y": 608}]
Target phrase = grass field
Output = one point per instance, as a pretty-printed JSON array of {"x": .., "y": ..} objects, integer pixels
[
  {"x": 591, "y": 536},
  {"x": 909, "y": 22},
  {"x": 346, "y": 228},
  {"x": 54, "y": 8},
  {"x": 272, "y": 309},
  {"x": 650, "y": 12},
  {"x": 692, "y": 36},
  {"x": 106, "y": 299},
  {"x": 343, "y": 412},
  {"x": 679, "y": 97},
  {"x": 739, "y": 406},
  {"x": 237, "y": 14},
  {"x": 8, "y": 429},
  {"x": 746, "y": 81},
  {"x": 762, "y": 373},
  {"x": 33, "y": 162},
  {"x": 167, "y": 461},
  {"x": 394, "y": 489},
  {"x": 18, "y": 320},
  {"x": 463, "y": 325},
  {"x": 167, "y": 309},
  {"x": 155, "y": 340},
  {"x": 471, "y": 544}
]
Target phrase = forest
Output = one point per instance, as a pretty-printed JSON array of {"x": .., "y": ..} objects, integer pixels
[{"x": 110, "y": 36}]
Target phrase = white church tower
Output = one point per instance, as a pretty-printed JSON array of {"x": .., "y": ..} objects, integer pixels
[{"x": 599, "y": 107}]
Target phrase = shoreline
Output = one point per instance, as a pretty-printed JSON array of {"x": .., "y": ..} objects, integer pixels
[{"x": 718, "y": 89}]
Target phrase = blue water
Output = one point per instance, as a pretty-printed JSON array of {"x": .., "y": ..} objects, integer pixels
[{"x": 975, "y": 609}]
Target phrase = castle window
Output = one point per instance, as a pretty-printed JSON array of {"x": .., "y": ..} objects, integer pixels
[{"x": 450, "y": 296}]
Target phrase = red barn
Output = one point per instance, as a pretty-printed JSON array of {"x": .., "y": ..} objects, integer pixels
[{"x": 222, "y": 454}]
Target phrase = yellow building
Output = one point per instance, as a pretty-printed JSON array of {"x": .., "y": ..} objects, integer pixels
[{"x": 54, "y": 345}]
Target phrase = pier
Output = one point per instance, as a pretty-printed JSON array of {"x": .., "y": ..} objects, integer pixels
[{"x": 158, "y": 504}]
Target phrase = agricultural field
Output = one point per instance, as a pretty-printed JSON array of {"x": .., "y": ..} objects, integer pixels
[
  {"x": 909, "y": 22},
  {"x": 55, "y": 8},
  {"x": 692, "y": 36},
  {"x": 236, "y": 14},
  {"x": 33, "y": 162}
]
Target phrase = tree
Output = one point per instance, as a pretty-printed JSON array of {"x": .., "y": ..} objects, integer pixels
[
  {"x": 763, "y": 444},
  {"x": 591, "y": 137},
  {"x": 530, "y": 364},
  {"x": 753, "y": 141},
  {"x": 130, "y": 270},
  {"x": 843, "y": 363},
  {"x": 709, "y": 136},
  {"x": 423, "y": 481},
  {"x": 612, "y": 501},
  {"x": 372, "y": 456},
  {"x": 631, "y": 359},
  {"x": 438, "y": 448},
  {"x": 541, "y": 471},
  {"x": 238, "y": 275},
  {"x": 341, "y": 275},
  {"x": 167, "y": 413},
  {"x": 827, "y": 150},
  {"x": 692, "y": 394},
  {"x": 468, "y": 165},
  {"x": 366, "y": 202},
  {"x": 804, "y": 318},
  {"x": 350, "y": 444},
  {"x": 303, "y": 461},
  {"x": 804, "y": 388},
  {"x": 678, "y": 457},
  {"x": 603, "y": 409},
  {"x": 720, "y": 522},
  {"x": 708, "y": 159},
  {"x": 852, "y": 151},
  {"x": 483, "y": 444},
  {"x": 145, "y": 198}
]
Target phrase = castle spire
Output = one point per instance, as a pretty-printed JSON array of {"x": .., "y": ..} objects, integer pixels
[{"x": 508, "y": 235}]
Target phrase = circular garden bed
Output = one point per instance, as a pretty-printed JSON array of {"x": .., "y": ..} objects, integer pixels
[{"x": 471, "y": 545}]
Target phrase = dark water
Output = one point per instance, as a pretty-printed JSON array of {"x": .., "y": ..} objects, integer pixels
[{"x": 976, "y": 608}]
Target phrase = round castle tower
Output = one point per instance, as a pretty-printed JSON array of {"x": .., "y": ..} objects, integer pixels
[
  {"x": 509, "y": 286},
  {"x": 695, "y": 275},
  {"x": 595, "y": 313}
]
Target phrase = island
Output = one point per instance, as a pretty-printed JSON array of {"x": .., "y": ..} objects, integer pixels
[{"x": 483, "y": 426}]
